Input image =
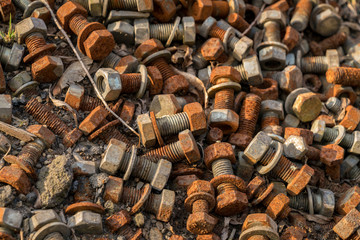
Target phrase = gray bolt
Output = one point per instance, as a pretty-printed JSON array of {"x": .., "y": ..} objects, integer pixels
[
  {"x": 28, "y": 7},
  {"x": 250, "y": 71},
  {"x": 319, "y": 64},
  {"x": 11, "y": 58},
  {"x": 334, "y": 105}
]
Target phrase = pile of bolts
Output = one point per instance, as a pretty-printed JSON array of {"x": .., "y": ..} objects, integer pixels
[{"x": 246, "y": 113}]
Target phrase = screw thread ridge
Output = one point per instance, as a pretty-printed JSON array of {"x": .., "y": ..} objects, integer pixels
[
  {"x": 241, "y": 70},
  {"x": 222, "y": 167},
  {"x": 44, "y": 116},
  {"x": 333, "y": 104},
  {"x": 111, "y": 60},
  {"x": 132, "y": 195},
  {"x": 162, "y": 31},
  {"x": 249, "y": 114},
  {"x": 131, "y": 82},
  {"x": 171, "y": 152},
  {"x": 35, "y": 41},
  {"x": 200, "y": 205},
  {"x": 123, "y": 4},
  {"x": 330, "y": 134},
  {"x": 354, "y": 173},
  {"x": 77, "y": 23},
  {"x": 232, "y": 42},
  {"x": 314, "y": 64},
  {"x": 224, "y": 99},
  {"x": 347, "y": 141},
  {"x": 22, "y": 4},
  {"x": 300, "y": 202},
  {"x": 30, "y": 154},
  {"x": 217, "y": 32},
  {"x": 89, "y": 103},
  {"x": 114, "y": 133},
  {"x": 126, "y": 231},
  {"x": 240, "y": 23},
  {"x": 164, "y": 68},
  {"x": 343, "y": 75},
  {"x": 173, "y": 124}
]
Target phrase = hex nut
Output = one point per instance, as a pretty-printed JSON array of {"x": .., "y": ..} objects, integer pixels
[
  {"x": 242, "y": 48},
  {"x": 351, "y": 119},
  {"x": 197, "y": 117},
  {"x": 189, "y": 146},
  {"x": 295, "y": 147},
  {"x": 290, "y": 121},
  {"x": 262, "y": 224},
  {"x": 15, "y": 177},
  {"x": 42, "y": 218},
  {"x": 148, "y": 47},
  {"x": 141, "y": 30},
  {"x": 5, "y": 108},
  {"x": 307, "y": 106},
  {"x": 230, "y": 203},
  {"x": 290, "y": 79},
  {"x": 109, "y": 83},
  {"x": 355, "y": 148},
  {"x": 305, "y": 133},
  {"x": 205, "y": 27},
  {"x": 20, "y": 79},
  {"x": 146, "y": 130},
  {"x": 93, "y": 120},
  {"x": 122, "y": 31},
  {"x": 189, "y": 31},
  {"x": 86, "y": 222},
  {"x": 225, "y": 119},
  {"x": 274, "y": 16},
  {"x": 349, "y": 163},
  {"x": 29, "y": 26},
  {"x": 212, "y": 49},
  {"x": 161, "y": 175},
  {"x": 253, "y": 70},
  {"x": 42, "y": 13},
  {"x": 47, "y": 69},
  {"x": 42, "y": 132},
  {"x": 333, "y": 157},
  {"x": 164, "y": 105},
  {"x": 257, "y": 148},
  {"x": 98, "y": 45},
  {"x": 348, "y": 224},
  {"x": 332, "y": 58},
  {"x": 200, "y": 223},
  {"x": 318, "y": 128},
  {"x": 113, "y": 156},
  {"x": 326, "y": 21},
  {"x": 279, "y": 207},
  {"x": 16, "y": 55},
  {"x": 272, "y": 106},
  {"x": 10, "y": 218},
  {"x": 348, "y": 200},
  {"x": 300, "y": 181},
  {"x": 74, "y": 96}
]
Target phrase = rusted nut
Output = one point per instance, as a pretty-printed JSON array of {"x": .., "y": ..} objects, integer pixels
[
  {"x": 164, "y": 10},
  {"x": 339, "y": 91},
  {"x": 15, "y": 177},
  {"x": 332, "y": 157},
  {"x": 127, "y": 64},
  {"x": 109, "y": 83},
  {"x": 74, "y": 96},
  {"x": 47, "y": 69},
  {"x": 307, "y": 106},
  {"x": 156, "y": 80},
  {"x": 176, "y": 85},
  {"x": 118, "y": 220},
  {"x": 214, "y": 135},
  {"x": 290, "y": 78},
  {"x": 7, "y": 9},
  {"x": 351, "y": 119},
  {"x": 212, "y": 49},
  {"x": 218, "y": 151},
  {"x": 45, "y": 135},
  {"x": 164, "y": 104},
  {"x": 268, "y": 90},
  {"x": 312, "y": 82},
  {"x": 200, "y": 201},
  {"x": 348, "y": 224},
  {"x": 291, "y": 38},
  {"x": 300, "y": 181},
  {"x": 279, "y": 207},
  {"x": 93, "y": 120},
  {"x": 200, "y": 9},
  {"x": 305, "y": 133},
  {"x": 348, "y": 200},
  {"x": 257, "y": 225}
]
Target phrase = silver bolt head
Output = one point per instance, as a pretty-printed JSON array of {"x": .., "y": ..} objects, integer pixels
[
  {"x": 86, "y": 222},
  {"x": 95, "y": 7},
  {"x": 272, "y": 58},
  {"x": 43, "y": 217},
  {"x": 161, "y": 175},
  {"x": 242, "y": 48},
  {"x": 112, "y": 157},
  {"x": 10, "y": 218},
  {"x": 295, "y": 147},
  {"x": 257, "y": 148},
  {"x": 141, "y": 30},
  {"x": 122, "y": 31},
  {"x": 355, "y": 148},
  {"x": 290, "y": 121},
  {"x": 253, "y": 70},
  {"x": 109, "y": 83},
  {"x": 28, "y": 26},
  {"x": 145, "y": 5},
  {"x": 274, "y": 16},
  {"x": 332, "y": 58},
  {"x": 19, "y": 80},
  {"x": 273, "y": 106},
  {"x": 189, "y": 30},
  {"x": 15, "y": 58},
  {"x": 349, "y": 163},
  {"x": 327, "y": 23},
  {"x": 318, "y": 128},
  {"x": 146, "y": 130},
  {"x": 328, "y": 202},
  {"x": 164, "y": 104}
]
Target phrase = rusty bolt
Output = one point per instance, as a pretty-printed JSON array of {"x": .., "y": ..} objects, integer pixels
[
  {"x": 268, "y": 90},
  {"x": 250, "y": 71},
  {"x": 338, "y": 91},
  {"x": 348, "y": 200},
  {"x": 349, "y": 168},
  {"x": 231, "y": 198},
  {"x": 259, "y": 225},
  {"x": 118, "y": 220},
  {"x": 348, "y": 224},
  {"x": 343, "y": 75},
  {"x": 93, "y": 120},
  {"x": 272, "y": 112},
  {"x": 290, "y": 78},
  {"x": 94, "y": 40},
  {"x": 164, "y": 10},
  {"x": 15, "y": 177},
  {"x": 291, "y": 38},
  {"x": 332, "y": 42},
  {"x": 318, "y": 64},
  {"x": 164, "y": 104},
  {"x": 201, "y": 9},
  {"x": 351, "y": 119},
  {"x": 200, "y": 201},
  {"x": 307, "y": 106},
  {"x": 333, "y": 156},
  {"x": 301, "y": 15},
  {"x": 214, "y": 135},
  {"x": 249, "y": 114},
  {"x": 305, "y": 133}
]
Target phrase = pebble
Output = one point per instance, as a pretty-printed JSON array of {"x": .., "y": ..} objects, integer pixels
[
  {"x": 6, "y": 195},
  {"x": 159, "y": 225},
  {"x": 155, "y": 234},
  {"x": 98, "y": 180},
  {"x": 139, "y": 220}
]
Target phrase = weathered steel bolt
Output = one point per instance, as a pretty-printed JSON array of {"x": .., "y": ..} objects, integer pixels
[
  {"x": 117, "y": 158},
  {"x": 44, "y": 116},
  {"x": 336, "y": 135},
  {"x": 22, "y": 83},
  {"x": 185, "y": 148},
  {"x": 10, "y": 222},
  {"x": 211, "y": 50},
  {"x": 318, "y": 64},
  {"x": 28, "y": 7},
  {"x": 332, "y": 42},
  {"x": 11, "y": 57},
  {"x": 272, "y": 53},
  {"x": 139, "y": 5},
  {"x": 250, "y": 71},
  {"x": 272, "y": 112},
  {"x": 349, "y": 168},
  {"x": 152, "y": 129},
  {"x": 119, "y": 224},
  {"x": 348, "y": 225},
  {"x": 127, "y": 64},
  {"x": 348, "y": 200},
  {"x": 275, "y": 200},
  {"x": 268, "y": 155},
  {"x": 318, "y": 201},
  {"x": 239, "y": 47},
  {"x": 94, "y": 40},
  {"x": 301, "y": 16},
  {"x": 31, "y": 152},
  {"x": 226, "y": 81},
  {"x": 44, "y": 68},
  {"x": 200, "y": 201},
  {"x": 324, "y": 20},
  {"x": 186, "y": 31},
  {"x": 161, "y": 205},
  {"x": 231, "y": 198},
  {"x": 259, "y": 226},
  {"x": 343, "y": 75},
  {"x": 77, "y": 99},
  {"x": 249, "y": 114},
  {"x": 334, "y": 105}
]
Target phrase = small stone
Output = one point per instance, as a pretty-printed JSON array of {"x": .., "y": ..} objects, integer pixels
[
  {"x": 139, "y": 220},
  {"x": 98, "y": 180},
  {"x": 111, "y": 207},
  {"x": 159, "y": 225},
  {"x": 6, "y": 195},
  {"x": 155, "y": 234}
]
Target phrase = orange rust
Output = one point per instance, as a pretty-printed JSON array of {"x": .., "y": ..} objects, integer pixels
[
  {"x": 236, "y": 21},
  {"x": 345, "y": 76},
  {"x": 268, "y": 90},
  {"x": 333, "y": 42}
]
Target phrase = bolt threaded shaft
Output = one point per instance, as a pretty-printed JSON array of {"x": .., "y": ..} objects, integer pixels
[
  {"x": 314, "y": 64},
  {"x": 237, "y": 22},
  {"x": 173, "y": 124},
  {"x": 30, "y": 154},
  {"x": 232, "y": 42},
  {"x": 35, "y": 41},
  {"x": 89, "y": 103},
  {"x": 333, "y": 104},
  {"x": 272, "y": 32},
  {"x": 313, "y": 154},
  {"x": 330, "y": 134},
  {"x": 131, "y": 82},
  {"x": 162, "y": 31},
  {"x": 122, "y": 4},
  {"x": 164, "y": 68},
  {"x": 354, "y": 173},
  {"x": 345, "y": 76},
  {"x": 77, "y": 23},
  {"x": 332, "y": 42},
  {"x": 54, "y": 236},
  {"x": 145, "y": 169},
  {"x": 200, "y": 205},
  {"x": 224, "y": 99},
  {"x": 249, "y": 114},
  {"x": 223, "y": 167},
  {"x": 131, "y": 196},
  {"x": 126, "y": 232},
  {"x": 111, "y": 60},
  {"x": 300, "y": 202},
  {"x": 220, "y": 9},
  {"x": 241, "y": 70},
  {"x": 217, "y": 32},
  {"x": 171, "y": 152},
  {"x": 114, "y": 133},
  {"x": 301, "y": 15},
  {"x": 46, "y": 117}
]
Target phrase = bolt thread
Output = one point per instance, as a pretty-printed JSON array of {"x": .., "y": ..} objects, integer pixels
[
  {"x": 89, "y": 103},
  {"x": 300, "y": 202},
  {"x": 44, "y": 116},
  {"x": 241, "y": 70},
  {"x": 171, "y": 152},
  {"x": 173, "y": 124},
  {"x": 162, "y": 31},
  {"x": 220, "y": 9},
  {"x": 284, "y": 169},
  {"x": 122, "y": 4},
  {"x": 131, "y": 196},
  {"x": 111, "y": 60},
  {"x": 249, "y": 114},
  {"x": 144, "y": 167},
  {"x": 30, "y": 154},
  {"x": 268, "y": 121},
  {"x": 54, "y": 236},
  {"x": 34, "y": 42},
  {"x": 314, "y": 64},
  {"x": 301, "y": 14},
  {"x": 22, "y": 4},
  {"x": 114, "y": 133},
  {"x": 313, "y": 154},
  {"x": 237, "y": 22},
  {"x": 346, "y": 76},
  {"x": 131, "y": 82},
  {"x": 330, "y": 134},
  {"x": 217, "y": 32},
  {"x": 164, "y": 68},
  {"x": 333, "y": 104},
  {"x": 232, "y": 42},
  {"x": 272, "y": 32},
  {"x": 200, "y": 205},
  {"x": 333, "y": 42},
  {"x": 77, "y": 23},
  {"x": 354, "y": 173},
  {"x": 347, "y": 141},
  {"x": 266, "y": 202},
  {"x": 223, "y": 167},
  {"x": 126, "y": 232},
  {"x": 224, "y": 99}
]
